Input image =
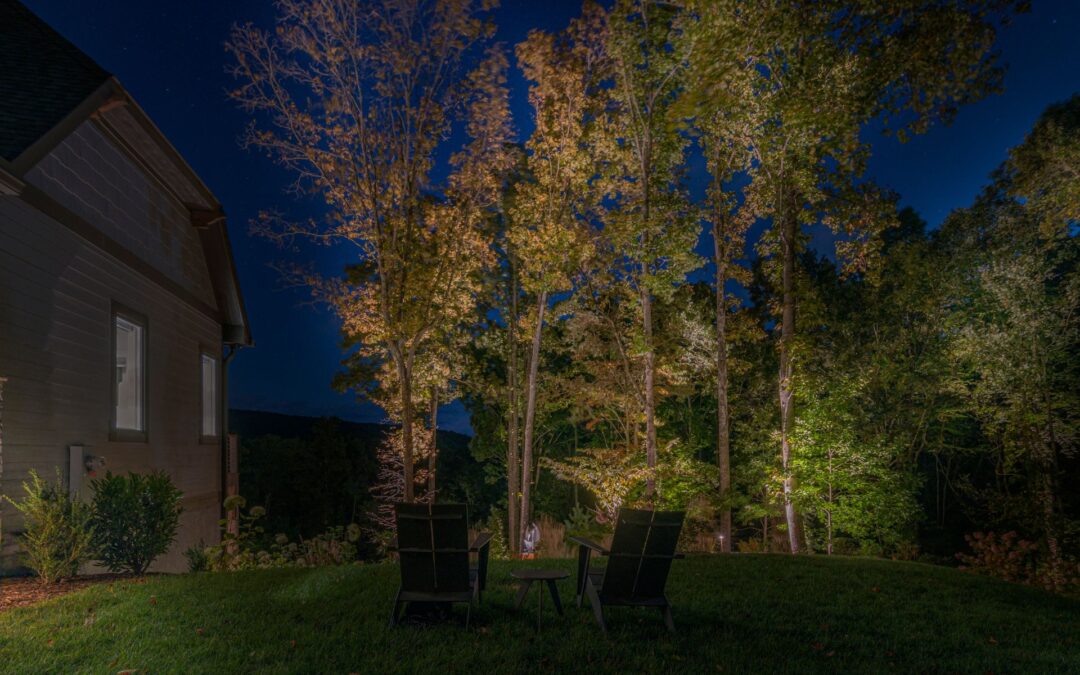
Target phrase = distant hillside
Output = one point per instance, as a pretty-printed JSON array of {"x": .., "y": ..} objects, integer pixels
[
  {"x": 310, "y": 473},
  {"x": 254, "y": 423}
]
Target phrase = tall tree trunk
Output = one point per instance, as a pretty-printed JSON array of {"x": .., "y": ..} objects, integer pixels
[
  {"x": 828, "y": 512},
  {"x": 513, "y": 461},
  {"x": 1050, "y": 534},
  {"x": 405, "y": 389},
  {"x": 650, "y": 401},
  {"x": 530, "y": 417},
  {"x": 433, "y": 450},
  {"x": 723, "y": 437},
  {"x": 787, "y": 335}
]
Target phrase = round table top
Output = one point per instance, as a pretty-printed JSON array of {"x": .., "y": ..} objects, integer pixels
[{"x": 539, "y": 575}]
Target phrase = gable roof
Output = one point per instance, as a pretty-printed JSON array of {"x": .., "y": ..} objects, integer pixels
[
  {"x": 43, "y": 78},
  {"x": 48, "y": 87}
]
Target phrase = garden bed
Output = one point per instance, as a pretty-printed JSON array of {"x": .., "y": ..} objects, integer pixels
[{"x": 24, "y": 591}]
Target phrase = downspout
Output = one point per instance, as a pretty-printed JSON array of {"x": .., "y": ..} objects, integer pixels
[{"x": 224, "y": 407}]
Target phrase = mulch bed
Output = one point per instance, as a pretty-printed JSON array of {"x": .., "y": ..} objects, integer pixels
[{"x": 23, "y": 591}]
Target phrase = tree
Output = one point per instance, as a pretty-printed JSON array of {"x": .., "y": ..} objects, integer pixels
[
  {"x": 1014, "y": 328},
  {"x": 1045, "y": 169},
  {"x": 722, "y": 129},
  {"x": 649, "y": 233},
  {"x": 548, "y": 238},
  {"x": 356, "y": 99},
  {"x": 820, "y": 72}
]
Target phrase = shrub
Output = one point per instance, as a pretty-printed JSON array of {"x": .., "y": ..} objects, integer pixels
[
  {"x": 499, "y": 548},
  {"x": 248, "y": 549},
  {"x": 58, "y": 529},
  {"x": 196, "y": 558},
  {"x": 1010, "y": 558},
  {"x": 135, "y": 518},
  {"x": 1001, "y": 556}
]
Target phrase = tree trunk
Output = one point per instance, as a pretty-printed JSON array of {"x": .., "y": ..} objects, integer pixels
[
  {"x": 723, "y": 437},
  {"x": 828, "y": 512},
  {"x": 530, "y": 418},
  {"x": 433, "y": 451},
  {"x": 405, "y": 376},
  {"x": 787, "y": 335},
  {"x": 650, "y": 401},
  {"x": 513, "y": 461}
]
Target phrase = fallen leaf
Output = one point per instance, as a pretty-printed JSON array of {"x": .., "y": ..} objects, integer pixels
[
  {"x": 817, "y": 646},
  {"x": 992, "y": 640},
  {"x": 875, "y": 589},
  {"x": 49, "y": 643},
  {"x": 292, "y": 643},
  {"x": 153, "y": 599},
  {"x": 198, "y": 631}
]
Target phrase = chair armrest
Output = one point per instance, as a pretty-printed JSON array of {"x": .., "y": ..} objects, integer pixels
[
  {"x": 482, "y": 540},
  {"x": 582, "y": 541}
]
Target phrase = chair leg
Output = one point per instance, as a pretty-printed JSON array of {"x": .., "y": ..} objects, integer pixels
[
  {"x": 582, "y": 571},
  {"x": 397, "y": 609},
  {"x": 597, "y": 607},
  {"x": 669, "y": 621},
  {"x": 554, "y": 596},
  {"x": 523, "y": 589}
]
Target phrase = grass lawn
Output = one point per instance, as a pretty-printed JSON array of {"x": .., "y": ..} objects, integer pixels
[{"x": 740, "y": 613}]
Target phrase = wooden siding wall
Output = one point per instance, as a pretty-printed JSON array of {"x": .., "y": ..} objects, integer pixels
[
  {"x": 56, "y": 295},
  {"x": 93, "y": 178}
]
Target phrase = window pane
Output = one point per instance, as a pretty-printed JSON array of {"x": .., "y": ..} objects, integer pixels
[
  {"x": 130, "y": 373},
  {"x": 209, "y": 395}
]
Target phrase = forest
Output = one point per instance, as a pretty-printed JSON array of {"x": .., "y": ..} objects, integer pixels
[{"x": 619, "y": 339}]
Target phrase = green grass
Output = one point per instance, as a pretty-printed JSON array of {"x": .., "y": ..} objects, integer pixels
[{"x": 741, "y": 613}]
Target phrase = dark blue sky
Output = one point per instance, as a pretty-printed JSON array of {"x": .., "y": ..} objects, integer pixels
[{"x": 169, "y": 54}]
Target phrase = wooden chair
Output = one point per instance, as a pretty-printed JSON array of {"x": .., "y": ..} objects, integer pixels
[
  {"x": 638, "y": 563},
  {"x": 433, "y": 555}
]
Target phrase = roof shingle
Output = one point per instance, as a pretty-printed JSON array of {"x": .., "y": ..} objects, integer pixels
[{"x": 43, "y": 77}]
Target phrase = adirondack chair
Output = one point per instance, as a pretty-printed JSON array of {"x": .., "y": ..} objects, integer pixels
[
  {"x": 638, "y": 563},
  {"x": 433, "y": 552}
]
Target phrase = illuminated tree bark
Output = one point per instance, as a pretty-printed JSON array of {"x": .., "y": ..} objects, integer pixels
[
  {"x": 723, "y": 433},
  {"x": 527, "y": 477},
  {"x": 786, "y": 389}
]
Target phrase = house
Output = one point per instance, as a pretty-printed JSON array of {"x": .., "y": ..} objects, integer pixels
[{"x": 119, "y": 301}]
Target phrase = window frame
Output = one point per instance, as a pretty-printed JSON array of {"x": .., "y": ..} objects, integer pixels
[
  {"x": 204, "y": 351},
  {"x": 121, "y": 311}
]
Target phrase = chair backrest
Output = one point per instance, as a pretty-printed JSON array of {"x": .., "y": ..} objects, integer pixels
[
  {"x": 433, "y": 547},
  {"x": 641, "y": 554}
]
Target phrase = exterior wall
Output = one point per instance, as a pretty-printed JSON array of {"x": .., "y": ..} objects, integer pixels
[
  {"x": 56, "y": 295},
  {"x": 93, "y": 178}
]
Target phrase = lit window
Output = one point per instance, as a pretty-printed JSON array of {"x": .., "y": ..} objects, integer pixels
[
  {"x": 209, "y": 396},
  {"x": 129, "y": 372}
]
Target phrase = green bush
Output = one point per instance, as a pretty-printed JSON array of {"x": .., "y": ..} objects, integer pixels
[
  {"x": 58, "y": 529},
  {"x": 196, "y": 557},
  {"x": 249, "y": 548},
  {"x": 135, "y": 519}
]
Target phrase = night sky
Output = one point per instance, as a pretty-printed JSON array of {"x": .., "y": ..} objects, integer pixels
[{"x": 169, "y": 54}]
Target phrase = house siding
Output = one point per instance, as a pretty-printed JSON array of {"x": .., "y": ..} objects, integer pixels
[
  {"x": 88, "y": 174},
  {"x": 56, "y": 297}
]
